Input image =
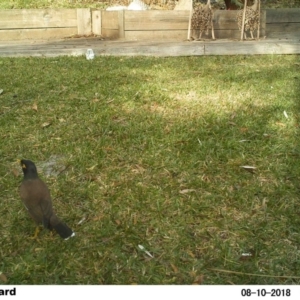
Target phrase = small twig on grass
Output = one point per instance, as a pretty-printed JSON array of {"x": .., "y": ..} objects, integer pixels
[{"x": 252, "y": 274}]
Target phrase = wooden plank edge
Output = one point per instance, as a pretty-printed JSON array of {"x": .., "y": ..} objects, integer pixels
[{"x": 254, "y": 48}]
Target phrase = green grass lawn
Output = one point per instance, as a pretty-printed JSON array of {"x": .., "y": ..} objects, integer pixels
[{"x": 148, "y": 151}]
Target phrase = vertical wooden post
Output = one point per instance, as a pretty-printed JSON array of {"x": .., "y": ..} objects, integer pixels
[
  {"x": 262, "y": 23},
  {"x": 243, "y": 21},
  {"x": 96, "y": 22},
  {"x": 190, "y": 21},
  {"x": 121, "y": 21},
  {"x": 258, "y": 28},
  {"x": 84, "y": 22}
]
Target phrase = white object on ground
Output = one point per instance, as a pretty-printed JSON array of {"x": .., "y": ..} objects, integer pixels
[
  {"x": 144, "y": 250},
  {"x": 89, "y": 54},
  {"x": 137, "y": 5}
]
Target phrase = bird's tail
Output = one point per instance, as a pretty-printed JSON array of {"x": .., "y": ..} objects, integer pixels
[{"x": 64, "y": 231}]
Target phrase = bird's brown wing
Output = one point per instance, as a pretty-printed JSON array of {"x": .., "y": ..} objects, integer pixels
[{"x": 36, "y": 198}]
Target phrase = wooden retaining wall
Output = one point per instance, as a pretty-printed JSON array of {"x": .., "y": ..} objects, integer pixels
[
  {"x": 18, "y": 24},
  {"x": 145, "y": 25},
  {"x": 283, "y": 23},
  {"x": 134, "y": 25},
  {"x": 163, "y": 24}
]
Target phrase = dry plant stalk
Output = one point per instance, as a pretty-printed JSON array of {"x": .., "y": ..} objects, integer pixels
[
  {"x": 243, "y": 21},
  {"x": 253, "y": 274},
  {"x": 190, "y": 21}
]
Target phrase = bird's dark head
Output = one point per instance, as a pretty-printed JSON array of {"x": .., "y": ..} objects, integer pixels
[{"x": 28, "y": 168}]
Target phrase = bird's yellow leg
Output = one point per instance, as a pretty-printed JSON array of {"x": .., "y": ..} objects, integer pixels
[{"x": 36, "y": 233}]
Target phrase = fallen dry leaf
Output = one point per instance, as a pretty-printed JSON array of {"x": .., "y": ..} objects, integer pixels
[
  {"x": 81, "y": 221},
  {"x": 249, "y": 168},
  {"x": 186, "y": 191},
  {"x": 175, "y": 269},
  {"x": 243, "y": 141},
  {"x": 15, "y": 172},
  {"x": 34, "y": 107},
  {"x": 138, "y": 169},
  {"x": 199, "y": 279},
  {"x": 244, "y": 129},
  {"x": 92, "y": 168},
  {"x": 3, "y": 278},
  {"x": 190, "y": 253},
  {"x": 46, "y": 124}
]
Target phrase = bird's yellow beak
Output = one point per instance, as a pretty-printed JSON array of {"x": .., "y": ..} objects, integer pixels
[{"x": 19, "y": 162}]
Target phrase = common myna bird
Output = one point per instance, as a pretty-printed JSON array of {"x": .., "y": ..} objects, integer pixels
[{"x": 36, "y": 198}]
